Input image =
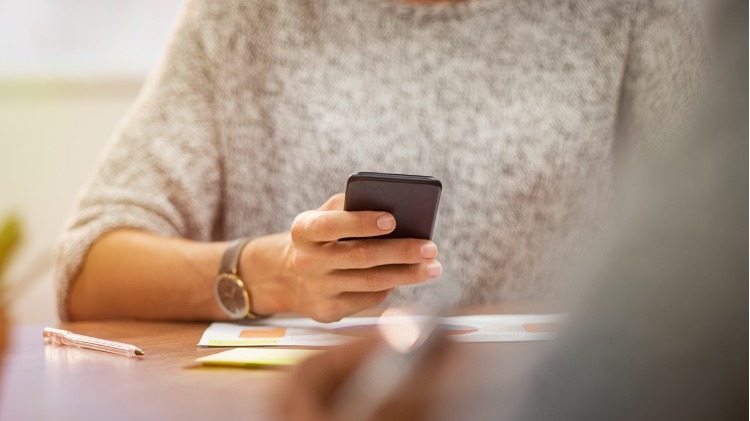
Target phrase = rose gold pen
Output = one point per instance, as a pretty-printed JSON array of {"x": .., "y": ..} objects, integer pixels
[{"x": 54, "y": 336}]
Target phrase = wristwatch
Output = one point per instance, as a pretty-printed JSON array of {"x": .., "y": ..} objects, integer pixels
[{"x": 230, "y": 292}]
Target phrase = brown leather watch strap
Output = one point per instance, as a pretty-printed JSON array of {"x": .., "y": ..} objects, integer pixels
[{"x": 230, "y": 263}]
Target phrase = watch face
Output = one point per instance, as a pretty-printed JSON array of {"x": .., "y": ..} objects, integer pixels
[{"x": 231, "y": 295}]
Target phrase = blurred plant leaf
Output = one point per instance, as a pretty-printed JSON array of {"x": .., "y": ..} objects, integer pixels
[{"x": 10, "y": 237}]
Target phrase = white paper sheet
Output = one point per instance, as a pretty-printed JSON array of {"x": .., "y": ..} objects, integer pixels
[{"x": 307, "y": 332}]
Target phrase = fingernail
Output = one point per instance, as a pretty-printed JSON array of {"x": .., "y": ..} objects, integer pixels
[
  {"x": 386, "y": 223},
  {"x": 428, "y": 251},
  {"x": 434, "y": 269}
]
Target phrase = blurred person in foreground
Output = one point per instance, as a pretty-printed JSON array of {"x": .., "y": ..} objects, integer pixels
[
  {"x": 260, "y": 110},
  {"x": 664, "y": 336}
]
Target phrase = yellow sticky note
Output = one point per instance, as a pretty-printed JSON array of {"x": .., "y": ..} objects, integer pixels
[{"x": 258, "y": 357}]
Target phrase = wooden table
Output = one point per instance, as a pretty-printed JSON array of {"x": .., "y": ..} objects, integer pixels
[{"x": 54, "y": 382}]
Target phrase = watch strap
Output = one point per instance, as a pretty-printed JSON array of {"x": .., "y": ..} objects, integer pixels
[{"x": 230, "y": 263}]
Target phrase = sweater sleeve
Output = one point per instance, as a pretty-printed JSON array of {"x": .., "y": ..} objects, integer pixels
[
  {"x": 161, "y": 170},
  {"x": 663, "y": 74}
]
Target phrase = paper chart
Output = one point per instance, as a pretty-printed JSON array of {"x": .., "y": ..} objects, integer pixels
[{"x": 307, "y": 332}]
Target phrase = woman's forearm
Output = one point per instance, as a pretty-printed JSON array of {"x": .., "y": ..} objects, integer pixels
[{"x": 134, "y": 274}]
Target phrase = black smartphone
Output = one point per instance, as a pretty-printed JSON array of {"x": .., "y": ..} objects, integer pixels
[{"x": 411, "y": 199}]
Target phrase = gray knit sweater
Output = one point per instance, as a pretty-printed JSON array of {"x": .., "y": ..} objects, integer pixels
[{"x": 261, "y": 109}]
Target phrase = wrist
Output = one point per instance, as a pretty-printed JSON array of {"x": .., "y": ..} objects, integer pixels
[
  {"x": 230, "y": 291},
  {"x": 261, "y": 271}
]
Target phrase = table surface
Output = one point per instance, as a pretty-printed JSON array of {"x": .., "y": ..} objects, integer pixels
[{"x": 55, "y": 382}]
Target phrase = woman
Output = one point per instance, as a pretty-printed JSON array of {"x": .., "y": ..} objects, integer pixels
[{"x": 260, "y": 110}]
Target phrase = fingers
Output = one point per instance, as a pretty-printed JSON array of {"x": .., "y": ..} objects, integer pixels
[
  {"x": 308, "y": 392},
  {"x": 422, "y": 390},
  {"x": 362, "y": 254},
  {"x": 345, "y": 304},
  {"x": 383, "y": 278},
  {"x": 351, "y": 291},
  {"x": 332, "y": 225},
  {"x": 329, "y": 279}
]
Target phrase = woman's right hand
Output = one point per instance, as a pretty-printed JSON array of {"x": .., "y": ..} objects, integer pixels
[{"x": 309, "y": 271}]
